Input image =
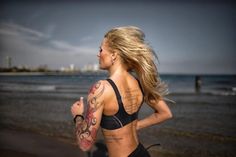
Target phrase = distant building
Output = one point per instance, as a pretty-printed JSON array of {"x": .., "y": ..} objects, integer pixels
[
  {"x": 90, "y": 67},
  {"x": 9, "y": 62},
  {"x": 95, "y": 67},
  {"x": 71, "y": 68}
]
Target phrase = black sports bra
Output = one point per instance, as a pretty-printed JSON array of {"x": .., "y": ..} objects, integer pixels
[{"x": 121, "y": 118}]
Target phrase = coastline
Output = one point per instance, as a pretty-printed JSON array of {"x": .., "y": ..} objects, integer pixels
[
  {"x": 56, "y": 73},
  {"x": 104, "y": 72},
  {"x": 36, "y": 73}
]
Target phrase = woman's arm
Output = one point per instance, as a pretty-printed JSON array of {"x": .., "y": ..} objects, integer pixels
[
  {"x": 162, "y": 113},
  {"x": 86, "y": 128}
]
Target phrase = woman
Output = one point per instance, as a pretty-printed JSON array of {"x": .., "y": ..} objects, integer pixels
[{"x": 114, "y": 103}]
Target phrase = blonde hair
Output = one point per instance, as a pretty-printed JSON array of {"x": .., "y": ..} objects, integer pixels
[{"x": 139, "y": 57}]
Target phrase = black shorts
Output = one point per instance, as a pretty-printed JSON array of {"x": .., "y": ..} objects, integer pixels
[{"x": 140, "y": 151}]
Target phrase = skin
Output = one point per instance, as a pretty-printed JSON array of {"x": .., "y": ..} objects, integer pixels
[{"x": 102, "y": 100}]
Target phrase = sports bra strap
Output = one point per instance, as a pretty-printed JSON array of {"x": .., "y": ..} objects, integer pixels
[
  {"x": 140, "y": 86},
  {"x": 118, "y": 96}
]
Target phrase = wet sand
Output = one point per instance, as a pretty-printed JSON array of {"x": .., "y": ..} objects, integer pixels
[{"x": 28, "y": 144}]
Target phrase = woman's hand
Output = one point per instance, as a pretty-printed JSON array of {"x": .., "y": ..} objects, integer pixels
[{"x": 78, "y": 107}]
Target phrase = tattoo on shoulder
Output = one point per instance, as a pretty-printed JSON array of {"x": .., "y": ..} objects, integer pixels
[
  {"x": 95, "y": 93},
  {"x": 94, "y": 87}
]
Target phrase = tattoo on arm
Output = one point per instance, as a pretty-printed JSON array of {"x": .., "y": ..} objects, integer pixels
[{"x": 86, "y": 130}]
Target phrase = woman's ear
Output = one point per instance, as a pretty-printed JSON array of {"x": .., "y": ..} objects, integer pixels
[{"x": 114, "y": 55}]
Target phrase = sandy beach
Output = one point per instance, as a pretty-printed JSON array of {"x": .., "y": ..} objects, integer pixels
[{"x": 28, "y": 144}]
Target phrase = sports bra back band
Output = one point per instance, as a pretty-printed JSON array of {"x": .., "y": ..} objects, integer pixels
[{"x": 121, "y": 118}]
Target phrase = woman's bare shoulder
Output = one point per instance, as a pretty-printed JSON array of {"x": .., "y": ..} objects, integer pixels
[{"x": 101, "y": 86}]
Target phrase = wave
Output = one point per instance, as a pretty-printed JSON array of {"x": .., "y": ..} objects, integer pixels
[
  {"x": 16, "y": 87},
  {"x": 213, "y": 93},
  {"x": 221, "y": 93},
  {"x": 84, "y": 87},
  {"x": 28, "y": 88}
]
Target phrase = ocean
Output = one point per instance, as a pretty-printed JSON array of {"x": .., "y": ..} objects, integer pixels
[
  {"x": 203, "y": 123},
  {"x": 211, "y": 84}
]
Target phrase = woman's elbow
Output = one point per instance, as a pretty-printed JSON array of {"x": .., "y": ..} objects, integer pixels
[
  {"x": 168, "y": 115},
  {"x": 165, "y": 115},
  {"x": 85, "y": 145},
  {"x": 164, "y": 111},
  {"x": 85, "y": 149}
]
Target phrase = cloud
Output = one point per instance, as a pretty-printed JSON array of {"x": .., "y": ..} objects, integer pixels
[
  {"x": 64, "y": 46},
  {"x": 34, "y": 48},
  {"x": 86, "y": 38},
  {"x": 17, "y": 30}
]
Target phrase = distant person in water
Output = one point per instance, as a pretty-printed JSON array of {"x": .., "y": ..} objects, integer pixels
[
  {"x": 198, "y": 83},
  {"x": 114, "y": 103}
]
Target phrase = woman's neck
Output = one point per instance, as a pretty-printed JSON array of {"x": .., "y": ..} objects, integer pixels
[{"x": 117, "y": 70}]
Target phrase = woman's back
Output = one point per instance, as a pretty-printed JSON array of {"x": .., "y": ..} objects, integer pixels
[{"x": 123, "y": 136}]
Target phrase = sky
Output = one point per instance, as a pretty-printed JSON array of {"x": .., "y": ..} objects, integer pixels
[{"x": 189, "y": 37}]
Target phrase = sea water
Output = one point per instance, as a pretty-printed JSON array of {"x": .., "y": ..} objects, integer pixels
[{"x": 211, "y": 84}]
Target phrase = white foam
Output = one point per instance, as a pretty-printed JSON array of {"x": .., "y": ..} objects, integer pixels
[{"x": 27, "y": 87}]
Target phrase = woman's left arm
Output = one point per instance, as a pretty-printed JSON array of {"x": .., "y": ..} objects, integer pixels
[
  {"x": 86, "y": 128},
  {"x": 162, "y": 113}
]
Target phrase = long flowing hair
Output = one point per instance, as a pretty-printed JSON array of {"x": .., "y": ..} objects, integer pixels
[{"x": 138, "y": 55}]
